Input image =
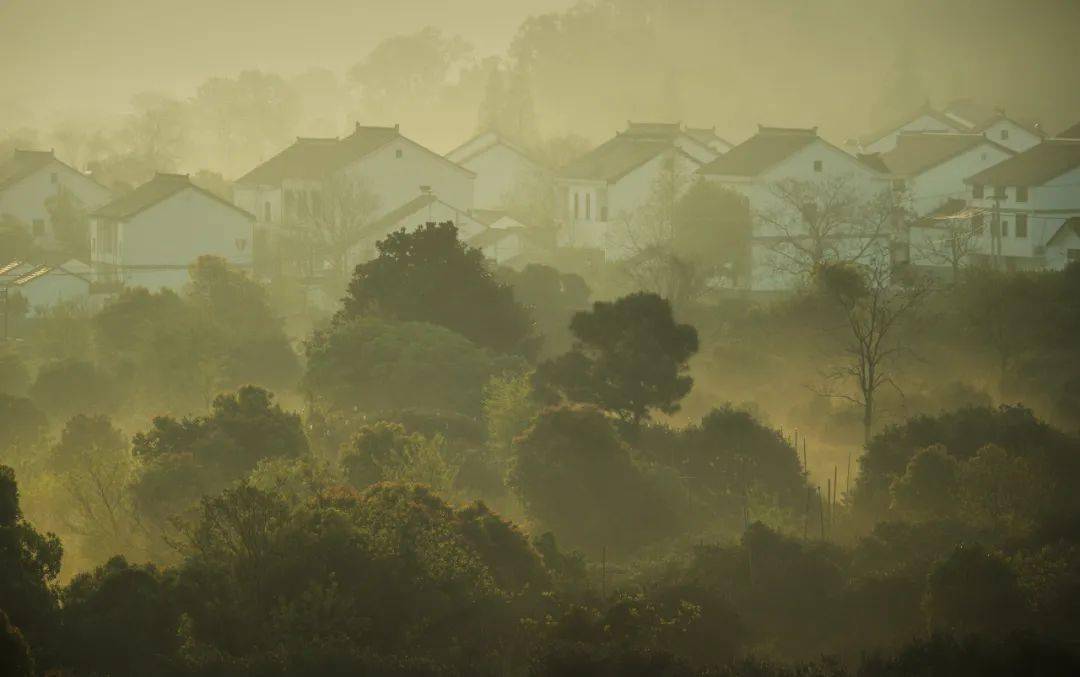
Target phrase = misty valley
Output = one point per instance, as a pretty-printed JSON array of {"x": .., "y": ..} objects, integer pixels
[{"x": 576, "y": 338}]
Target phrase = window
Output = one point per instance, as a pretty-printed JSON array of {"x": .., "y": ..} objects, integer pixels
[
  {"x": 577, "y": 199},
  {"x": 267, "y": 213},
  {"x": 55, "y": 178},
  {"x": 603, "y": 213},
  {"x": 1073, "y": 255},
  {"x": 1004, "y": 228},
  {"x": 588, "y": 206},
  {"x": 1004, "y": 134},
  {"x": 898, "y": 185},
  {"x": 1021, "y": 194},
  {"x": 977, "y": 224},
  {"x": 977, "y": 191},
  {"x": 39, "y": 227},
  {"x": 399, "y": 153},
  {"x": 817, "y": 165},
  {"x": 1021, "y": 225},
  {"x": 999, "y": 192}
]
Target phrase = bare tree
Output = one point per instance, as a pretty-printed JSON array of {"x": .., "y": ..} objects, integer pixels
[
  {"x": 811, "y": 224},
  {"x": 330, "y": 221},
  {"x": 872, "y": 308},
  {"x": 948, "y": 239}
]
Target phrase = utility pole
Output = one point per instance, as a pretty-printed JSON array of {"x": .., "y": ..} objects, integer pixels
[{"x": 4, "y": 295}]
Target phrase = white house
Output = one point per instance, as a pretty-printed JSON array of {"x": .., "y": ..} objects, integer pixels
[
  {"x": 31, "y": 180},
  {"x": 501, "y": 167},
  {"x": 426, "y": 207},
  {"x": 926, "y": 119},
  {"x": 709, "y": 137},
  {"x": 1015, "y": 133},
  {"x": 1070, "y": 133},
  {"x": 778, "y": 159},
  {"x": 46, "y": 285},
  {"x": 377, "y": 160},
  {"x": 1063, "y": 247},
  {"x": 932, "y": 166},
  {"x": 513, "y": 246},
  {"x": 1024, "y": 204},
  {"x": 151, "y": 235},
  {"x": 600, "y": 192}
]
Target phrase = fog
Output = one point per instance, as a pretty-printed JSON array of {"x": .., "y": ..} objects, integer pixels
[{"x": 539, "y": 338}]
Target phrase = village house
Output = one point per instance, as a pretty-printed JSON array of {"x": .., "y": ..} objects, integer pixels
[
  {"x": 30, "y": 184},
  {"x": 502, "y": 169},
  {"x": 926, "y": 119},
  {"x": 599, "y": 193},
  {"x": 426, "y": 207},
  {"x": 151, "y": 235},
  {"x": 513, "y": 246},
  {"x": 43, "y": 285},
  {"x": 708, "y": 137},
  {"x": 378, "y": 161},
  {"x": 779, "y": 160},
  {"x": 1017, "y": 134},
  {"x": 931, "y": 166},
  {"x": 1070, "y": 133},
  {"x": 1027, "y": 205}
]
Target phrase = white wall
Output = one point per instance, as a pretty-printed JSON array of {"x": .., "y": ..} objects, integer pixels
[
  {"x": 396, "y": 180},
  {"x": 937, "y": 185},
  {"x": 26, "y": 199},
  {"x": 923, "y": 123},
  {"x": 436, "y": 212},
  {"x": 56, "y": 286},
  {"x": 173, "y": 233},
  {"x": 499, "y": 170},
  {"x": 1011, "y": 135}
]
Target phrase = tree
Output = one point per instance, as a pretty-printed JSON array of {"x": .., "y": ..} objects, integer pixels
[
  {"x": 872, "y": 308},
  {"x": 928, "y": 488},
  {"x": 375, "y": 365},
  {"x": 385, "y": 452},
  {"x": 509, "y": 409},
  {"x": 29, "y": 566},
  {"x": 1000, "y": 490},
  {"x": 552, "y": 298},
  {"x": 15, "y": 653},
  {"x": 630, "y": 357},
  {"x": 14, "y": 375},
  {"x": 576, "y": 477},
  {"x": 430, "y": 276},
  {"x": 973, "y": 591},
  {"x": 826, "y": 222},
  {"x": 70, "y": 387},
  {"x": 23, "y": 430},
  {"x": 70, "y": 223},
  {"x": 93, "y": 462},
  {"x": 947, "y": 240}
]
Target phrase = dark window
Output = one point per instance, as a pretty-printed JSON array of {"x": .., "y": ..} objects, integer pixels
[
  {"x": 999, "y": 192},
  {"x": 1073, "y": 255},
  {"x": 1004, "y": 134},
  {"x": 817, "y": 165},
  {"x": 577, "y": 199},
  {"x": 977, "y": 191},
  {"x": 1021, "y": 225},
  {"x": 588, "y": 206},
  {"x": 54, "y": 177},
  {"x": 898, "y": 184},
  {"x": 1021, "y": 194},
  {"x": 39, "y": 227},
  {"x": 399, "y": 153},
  {"x": 977, "y": 224},
  {"x": 1004, "y": 228},
  {"x": 267, "y": 213}
]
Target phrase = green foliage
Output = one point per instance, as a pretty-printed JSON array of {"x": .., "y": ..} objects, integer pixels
[
  {"x": 14, "y": 374},
  {"x": 69, "y": 387},
  {"x": 974, "y": 591},
  {"x": 14, "y": 651},
  {"x": 29, "y": 566},
  {"x": 1000, "y": 490},
  {"x": 630, "y": 358},
  {"x": 928, "y": 488},
  {"x": 552, "y": 298},
  {"x": 23, "y": 429},
  {"x": 711, "y": 228},
  {"x": 430, "y": 276},
  {"x": 509, "y": 409},
  {"x": 371, "y": 364},
  {"x": 576, "y": 477},
  {"x": 383, "y": 451},
  {"x": 94, "y": 466}
]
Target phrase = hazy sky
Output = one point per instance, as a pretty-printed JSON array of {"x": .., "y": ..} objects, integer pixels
[{"x": 94, "y": 54}]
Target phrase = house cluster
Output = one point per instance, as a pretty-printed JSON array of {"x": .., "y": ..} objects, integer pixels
[{"x": 975, "y": 184}]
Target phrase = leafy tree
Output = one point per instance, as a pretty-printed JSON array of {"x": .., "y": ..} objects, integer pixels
[
  {"x": 23, "y": 429},
  {"x": 120, "y": 619},
  {"x": 576, "y": 477},
  {"x": 29, "y": 566},
  {"x": 373, "y": 364},
  {"x": 973, "y": 591},
  {"x": 630, "y": 357},
  {"x": 14, "y": 651},
  {"x": 928, "y": 488},
  {"x": 70, "y": 387},
  {"x": 385, "y": 452},
  {"x": 430, "y": 276},
  {"x": 1000, "y": 490},
  {"x": 509, "y": 409},
  {"x": 15, "y": 377},
  {"x": 70, "y": 223},
  {"x": 552, "y": 298},
  {"x": 94, "y": 465}
]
